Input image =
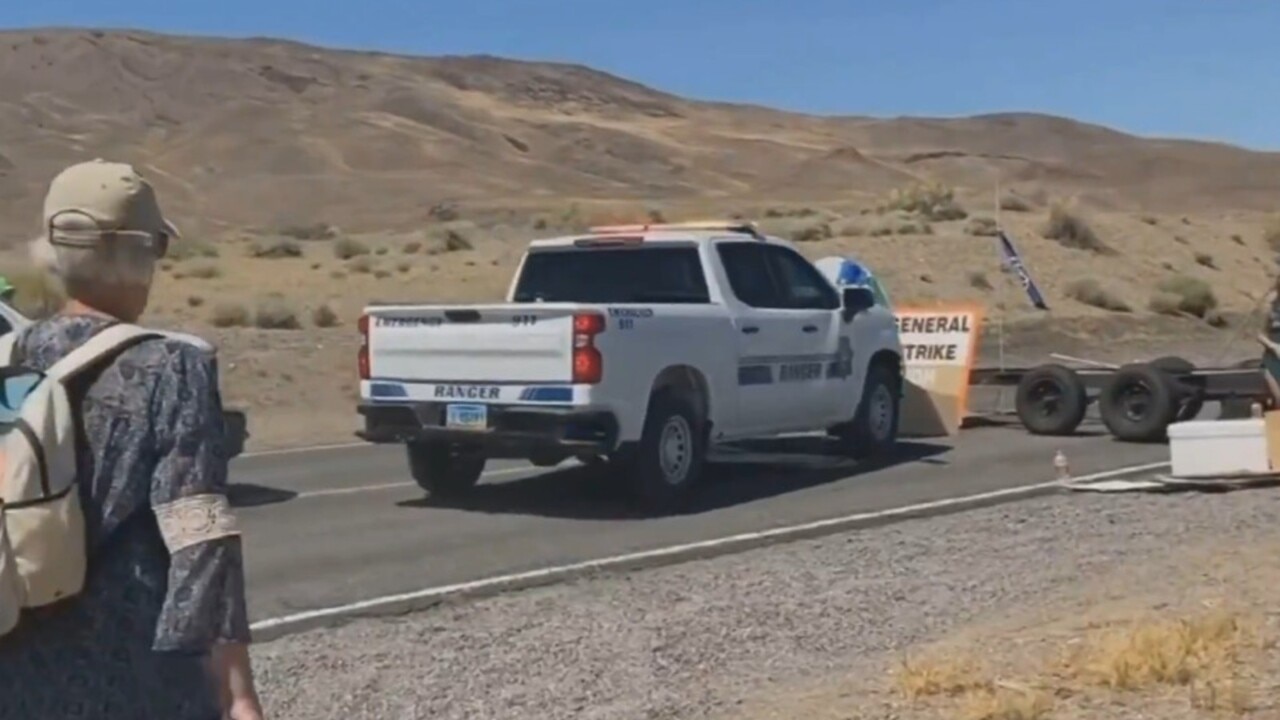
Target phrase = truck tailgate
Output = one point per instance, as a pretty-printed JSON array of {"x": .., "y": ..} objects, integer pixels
[{"x": 482, "y": 343}]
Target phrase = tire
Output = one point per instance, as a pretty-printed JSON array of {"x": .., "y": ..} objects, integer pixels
[
  {"x": 1191, "y": 397},
  {"x": 442, "y": 470},
  {"x": 1139, "y": 403},
  {"x": 1051, "y": 400},
  {"x": 668, "y": 459},
  {"x": 546, "y": 460},
  {"x": 873, "y": 433}
]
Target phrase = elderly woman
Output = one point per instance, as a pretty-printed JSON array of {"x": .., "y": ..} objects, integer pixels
[{"x": 160, "y": 630}]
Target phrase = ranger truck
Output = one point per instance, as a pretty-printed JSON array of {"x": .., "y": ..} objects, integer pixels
[{"x": 637, "y": 345}]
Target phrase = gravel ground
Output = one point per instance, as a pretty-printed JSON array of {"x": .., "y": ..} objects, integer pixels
[{"x": 705, "y": 638}]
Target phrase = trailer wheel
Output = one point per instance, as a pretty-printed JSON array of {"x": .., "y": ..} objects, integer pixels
[
  {"x": 1139, "y": 403},
  {"x": 1051, "y": 400},
  {"x": 1191, "y": 398}
]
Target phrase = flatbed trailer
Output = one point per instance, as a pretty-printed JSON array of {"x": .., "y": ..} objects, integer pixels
[{"x": 1137, "y": 401}]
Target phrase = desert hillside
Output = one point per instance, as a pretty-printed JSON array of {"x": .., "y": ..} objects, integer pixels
[
  {"x": 311, "y": 181},
  {"x": 268, "y": 133}
]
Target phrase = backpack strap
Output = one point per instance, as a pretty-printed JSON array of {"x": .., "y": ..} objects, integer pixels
[
  {"x": 106, "y": 342},
  {"x": 7, "y": 345}
]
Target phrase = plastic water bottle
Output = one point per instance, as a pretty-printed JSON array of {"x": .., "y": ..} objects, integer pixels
[
  {"x": 1060, "y": 466},
  {"x": 1255, "y": 410}
]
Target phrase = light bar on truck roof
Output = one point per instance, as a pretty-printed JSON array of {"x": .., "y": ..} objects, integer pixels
[{"x": 737, "y": 226}]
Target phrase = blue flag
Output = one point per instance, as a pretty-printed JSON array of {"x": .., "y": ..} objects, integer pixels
[{"x": 1010, "y": 260}]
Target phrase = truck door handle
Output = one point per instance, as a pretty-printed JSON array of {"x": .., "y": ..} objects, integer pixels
[
  {"x": 810, "y": 328},
  {"x": 750, "y": 329}
]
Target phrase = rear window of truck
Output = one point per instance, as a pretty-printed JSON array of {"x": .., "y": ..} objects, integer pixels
[{"x": 613, "y": 275}]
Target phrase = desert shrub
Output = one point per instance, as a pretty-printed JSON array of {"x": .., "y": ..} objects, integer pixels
[
  {"x": 934, "y": 203},
  {"x": 323, "y": 316},
  {"x": 443, "y": 212},
  {"x": 851, "y": 229},
  {"x": 381, "y": 274},
  {"x": 1235, "y": 238},
  {"x": 1089, "y": 291},
  {"x": 914, "y": 228},
  {"x": 404, "y": 266},
  {"x": 361, "y": 265},
  {"x": 1014, "y": 203},
  {"x": 273, "y": 313},
  {"x": 411, "y": 247},
  {"x": 1206, "y": 260},
  {"x": 187, "y": 249},
  {"x": 1271, "y": 235},
  {"x": 275, "y": 248},
  {"x": 315, "y": 231},
  {"x": 1183, "y": 294},
  {"x": 881, "y": 231},
  {"x": 1149, "y": 219},
  {"x": 202, "y": 271},
  {"x": 347, "y": 248},
  {"x": 195, "y": 301},
  {"x": 35, "y": 294},
  {"x": 540, "y": 223},
  {"x": 1181, "y": 240},
  {"x": 978, "y": 281},
  {"x": 380, "y": 251},
  {"x": 228, "y": 314},
  {"x": 1071, "y": 231},
  {"x": 454, "y": 241},
  {"x": 816, "y": 232},
  {"x": 981, "y": 227}
]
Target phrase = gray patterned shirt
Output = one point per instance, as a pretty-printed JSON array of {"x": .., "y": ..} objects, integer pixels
[{"x": 132, "y": 644}]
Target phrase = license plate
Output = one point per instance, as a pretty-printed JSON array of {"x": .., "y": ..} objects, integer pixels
[{"x": 467, "y": 417}]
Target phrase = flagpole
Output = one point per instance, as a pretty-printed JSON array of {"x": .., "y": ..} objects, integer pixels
[{"x": 1004, "y": 280}]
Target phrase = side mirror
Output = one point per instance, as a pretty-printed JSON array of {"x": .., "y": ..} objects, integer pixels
[{"x": 856, "y": 300}]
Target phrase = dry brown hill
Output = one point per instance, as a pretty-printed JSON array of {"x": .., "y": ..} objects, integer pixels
[{"x": 267, "y": 132}]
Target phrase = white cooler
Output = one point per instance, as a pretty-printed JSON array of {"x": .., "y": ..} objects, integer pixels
[{"x": 1218, "y": 448}]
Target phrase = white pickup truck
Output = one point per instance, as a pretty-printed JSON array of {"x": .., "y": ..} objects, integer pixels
[{"x": 640, "y": 345}]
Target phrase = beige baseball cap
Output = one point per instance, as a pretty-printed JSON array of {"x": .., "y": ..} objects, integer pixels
[{"x": 93, "y": 201}]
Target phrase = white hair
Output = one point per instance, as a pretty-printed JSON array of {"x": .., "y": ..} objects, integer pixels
[{"x": 83, "y": 268}]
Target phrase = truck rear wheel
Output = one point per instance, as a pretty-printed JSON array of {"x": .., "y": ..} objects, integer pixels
[
  {"x": 669, "y": 458},
  {"x": 443, "y": 470},
  {"x": 874, "y": 430}
]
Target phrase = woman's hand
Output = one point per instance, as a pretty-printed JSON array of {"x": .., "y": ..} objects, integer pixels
[{"x": 244, "y": 709}]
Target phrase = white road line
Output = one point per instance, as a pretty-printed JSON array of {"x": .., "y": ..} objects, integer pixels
[
  {"x": 661, "y": 556},
  {"x": 300, "y": 450},
  {"x": 387, "y": 486}
]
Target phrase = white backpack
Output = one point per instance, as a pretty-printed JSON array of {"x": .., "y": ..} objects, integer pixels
[{"x": 43, "y": 551}]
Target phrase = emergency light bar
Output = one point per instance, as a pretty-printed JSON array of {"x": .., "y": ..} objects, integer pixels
[{"x": 737, "y": 226}]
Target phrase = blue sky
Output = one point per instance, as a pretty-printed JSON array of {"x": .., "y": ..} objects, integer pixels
[{"x": 1188, "y": 68}]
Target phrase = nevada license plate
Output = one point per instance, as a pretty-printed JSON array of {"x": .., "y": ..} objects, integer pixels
[{"x": 467, "y": 417}]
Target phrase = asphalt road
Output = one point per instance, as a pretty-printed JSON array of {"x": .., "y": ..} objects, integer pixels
[{"x": 329, "y": 527}]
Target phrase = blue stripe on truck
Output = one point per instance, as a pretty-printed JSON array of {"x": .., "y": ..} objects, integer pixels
[{"x": 547, "y": 394}]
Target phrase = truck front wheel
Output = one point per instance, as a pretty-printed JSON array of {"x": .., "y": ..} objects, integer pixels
[
  {"x": 443, "y": 470},
  {"x": 874, "y": 429}
]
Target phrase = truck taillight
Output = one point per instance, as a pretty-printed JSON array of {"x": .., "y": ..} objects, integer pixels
[
  {"x": 362, "y": 356},
  {"x": 588, "y": 363}
]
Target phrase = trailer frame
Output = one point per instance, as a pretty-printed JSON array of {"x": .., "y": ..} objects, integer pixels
[{"x": 1137, "y": 401}]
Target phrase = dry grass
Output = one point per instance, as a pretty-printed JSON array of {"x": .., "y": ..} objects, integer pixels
[
  {"x": 939, "y": 675},
  {"x": 812, "y": 233},
  {"x": 1205, "y": 260},
  {"x": 981, "y": 227},
  {"x": 932, "y": 202},
  {"x": 1072, "y": 231},
  {"x": 323, "y": 316},
  {"x": 978, "y": 281},
  {"x": 314, "y": 231},
  {"x": 1183, "y": 294},
  {"x": 229, "y": 315},
  {"x": 1015, "y": 203},
  {"x": 1090, "y": 292},
  {"x": 275, "y": 313},
  {"x": 1271, "y": 234},
  {"x": 1006, "y": 703},
  {"x": 347, "y": 248},
  {"x": 186, "y": 249},
  {"x": 273, "y": 248},
  {"x": 1207, "y": 653},
  {"x": 200, "y": 271}
]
